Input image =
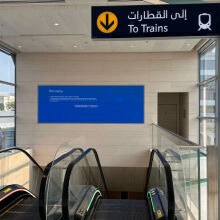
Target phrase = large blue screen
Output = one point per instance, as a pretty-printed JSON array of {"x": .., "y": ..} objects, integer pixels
[{"x": 91, "y": 104}]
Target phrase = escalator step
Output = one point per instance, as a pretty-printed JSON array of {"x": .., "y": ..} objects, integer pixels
[{"x": 111, "y": 209}]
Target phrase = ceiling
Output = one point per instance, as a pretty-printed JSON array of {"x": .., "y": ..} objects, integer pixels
[{"x": 66, "y": 26}]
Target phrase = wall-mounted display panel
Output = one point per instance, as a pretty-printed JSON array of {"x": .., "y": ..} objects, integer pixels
[{"x": 91, "y": 104}]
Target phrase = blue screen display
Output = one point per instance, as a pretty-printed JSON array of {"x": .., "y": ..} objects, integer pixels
[{"x": 91, "y": 104}]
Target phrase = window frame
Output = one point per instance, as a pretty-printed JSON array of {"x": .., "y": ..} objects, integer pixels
[
  {"x": 13, "y": 56},
  {"x": 208, "y": 150},
  {"x": 205, "y": 48}
]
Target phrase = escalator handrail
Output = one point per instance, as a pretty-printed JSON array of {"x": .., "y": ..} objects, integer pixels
[
  {"x": 68, "y": 173},
  {"x": 25, "y": 152},
  {"x": 45, "y": 178},
  {"x": 169, "y": 181}
]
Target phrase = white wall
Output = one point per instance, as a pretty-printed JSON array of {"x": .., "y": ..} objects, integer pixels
[{"x": 119, "y": 145}]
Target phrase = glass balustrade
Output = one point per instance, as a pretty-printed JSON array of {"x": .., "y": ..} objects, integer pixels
[
  {"x": 80, "y": 175},
  {"x": 54, "y": 183},
  {"x": 183, "y": 157}
]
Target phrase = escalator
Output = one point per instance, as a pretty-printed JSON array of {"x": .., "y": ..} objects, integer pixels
[
  {"x": 19, "y": 203},
  {"x": 86, "y": 197},
  {"x": 73, "y": 187}
]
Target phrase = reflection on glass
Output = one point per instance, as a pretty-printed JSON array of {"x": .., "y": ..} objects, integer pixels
[
  {"x": 6, "y": 132},
  {"x": 7, "y": 68},
  {"x": 207, "y": 64},
  {"x": 207, "y": 132},
  {"x": 207, "y": 100}
]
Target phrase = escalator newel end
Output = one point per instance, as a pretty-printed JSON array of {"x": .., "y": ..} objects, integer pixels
[
  {"x": 158, "y": 203},
  {"x": 88, "y": 203}
]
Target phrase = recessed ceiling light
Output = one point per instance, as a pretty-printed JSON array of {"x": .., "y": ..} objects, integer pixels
[
  {"x": 75, "y": 46},
  {"x": 19, "y": 46},
  {"x": 188, "y": 44},
  {"x": 56, "y": 24},
  {"x": 131, "y": 45}
]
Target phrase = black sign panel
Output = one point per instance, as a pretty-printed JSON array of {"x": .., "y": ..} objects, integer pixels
[{"x": 155, "y": 21}]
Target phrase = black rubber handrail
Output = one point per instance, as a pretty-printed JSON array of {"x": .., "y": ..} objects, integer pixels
[
  {"x": 25, "y": 152},
  {"x": 65, "y": 196},
  {"x": 45, "y": 178},
  {"x": 169, "y": 182}
]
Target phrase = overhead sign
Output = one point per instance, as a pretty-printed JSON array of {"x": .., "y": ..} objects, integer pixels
[
  {"x": 155, "y": 21},
  {"x": 91, "y": 104}
]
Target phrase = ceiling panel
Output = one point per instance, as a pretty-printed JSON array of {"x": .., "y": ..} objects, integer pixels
[
  {"x": 30, "y": 28},
  {"x": 85, "y": 44}
]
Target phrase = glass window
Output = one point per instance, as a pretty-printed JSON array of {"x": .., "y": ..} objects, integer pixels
[
  {"x": 7, "y": 132},
  {"x": 207, "y": 132},
  {"x": 7, "y": 68},
  {"x": 207, "y": 113},
  {"x": 207, "y": 90},
  {"x": 207, "y": 64},
  {"x": 7, "y": 100},
  {"x": 207, "y": 100}
]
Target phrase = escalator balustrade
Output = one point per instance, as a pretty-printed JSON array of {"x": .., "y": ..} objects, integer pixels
[
  {"x": 82, "y": 201},
  {"x": 82, "y": 193}
]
